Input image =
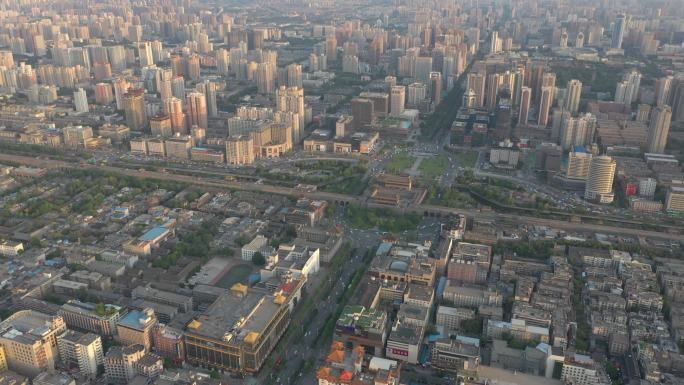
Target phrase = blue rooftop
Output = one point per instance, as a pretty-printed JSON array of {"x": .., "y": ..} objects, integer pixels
[
  {"x": 468, "y": 340},
  {"x": 135, "y": 319},
  {"x": 154, "y": 233},
  {"x": 581, "y": 149},
  {"x": 384, "y": 248}
]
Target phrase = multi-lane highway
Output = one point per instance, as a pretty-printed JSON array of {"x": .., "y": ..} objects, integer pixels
[{"x": 673, "y": 233}]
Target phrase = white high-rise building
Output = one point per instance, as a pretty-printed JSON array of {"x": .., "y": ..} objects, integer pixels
[
  {"x": 627, "y": 91},
  {"x": 647, "y": 187},
  {"x": 573, "y": 94},
  {"x": 663, "y": 90},
  {"x": 294, "y": 75},
  {"x": 145, "y": 54},
  {"x": 291, "y": 99},
  {"x": 658, "y": 129},
  {"x": 80, "y": 101},
  {"x": 81, "y": 350},
  {"x": 599, "y": 187},
  {"x": 525, "y": 100},
  {"x": 577, "y": 131},
  {"x": 578, "y": 165},
  {"x": 417, "y": 92}
]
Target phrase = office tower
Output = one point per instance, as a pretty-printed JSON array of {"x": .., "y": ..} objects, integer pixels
[
  {"x": 314, "y": 66},
  {"x": 423, "y": 68},
  {"x": 255, "y": 39},
  {"x": 294, "y": 75},
  {"x": 599, "y": 187},
  {"x": 291, "y": 99},
  {"x": 199, "y": 135},
  {"x": 517, "y": 82},
  {"x": 145, "y": 54},
  {"x": 658, "y": 129},
  {"x": 75, "y": 136},
  {"x": 98, "y": 54},
  {"x": 618, "y": 31},
  {"x": 177, "y": 65},
  {"x": 210, "y": 92},
  {"x": 102, "y": 70},
  {"x": 627, "y": 90},
  {"x": 121, "y": 87},
  {"x": 223, "y": 62},
  {"x": 362, "y": 111},
  {"x": 160, "y": 125},
  {"x": 578, "y": 165},
  {"x": 119, "y": 363},
  {"x": 350, "y": 64},
  {"x": 158, "y": 53},
  {"x": 525, "y": 100},
  {"x": 192, "y": 67},
  {"x": 240, "y": 150},
  {"x": 436, "y": 87},
  {"x": 545, "y": 102},
  {"x": 563, "y": 43},
  {"x": 677, "y": 99},
  {"x": 417, "y": 92},
  {"x": 80, "y": 101},
  {"x": 85, "y": 316},
  {"x": 83, "y": 351},
  {"x": 476, "y": 83},
  {"x": 79, "y": 56},
  {"x": 492, "y": 94},
  {"x": 203, "y": 44},
  {"x": 6, "y": 59},
  {"x": 103, "y": 93},
  {"x": 134, "y": 32},
  {"x": 663, "y": 90},
  {"x": 620, "y": 92},
  {"x": 178, "y": 87},
  {"x": 117, "y": 57},
  {"x": 579, "y": 41},
  {"x": 151, "y": 78},
  {"x": 398, "y": 99},
  {"x": 169, "y": 343},
  {"x": 134, "y": 109},
  {"x": 674, "y": 200},
  {"x": 343, "y": 126},
  {"x": 390, "y": 81},
  {"x": 469, "y": 99},
  {"x": 495, "y": 43},
  {"x": 136, "y": 328},
  {"x": 647, "y": 187},
  {"x": 174, "y": 108},
  {"x": 549, "y": 80},
  {"x": 165, "y": 86},
  {"x": 577, "y": 131},
  {"x": 573, "y": 93},
  {"x": 331, "y": 47},
  {"x": 29, "y": 340},
  {"x": 633, "y": 79},
  {"x": 266, "y": 78}
]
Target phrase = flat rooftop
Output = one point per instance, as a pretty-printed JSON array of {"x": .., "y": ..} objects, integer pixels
[
  {"x": 135, "y": 319},
  {"x": 153, "y": 234},
  {"x": 233, "y": 316}
]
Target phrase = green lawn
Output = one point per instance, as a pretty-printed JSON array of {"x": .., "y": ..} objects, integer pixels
[
  {"x": 466, "y": 158},
  {"x": 399, "y": 163},
  {"x": 450, "y": 198},
  {"x": 431, "y": 168}
]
